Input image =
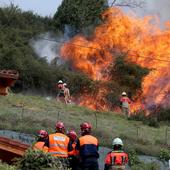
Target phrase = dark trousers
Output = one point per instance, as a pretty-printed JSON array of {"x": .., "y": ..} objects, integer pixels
[
  {"x": 74, "y": 163},
  {"x": 89, "y": 164}
]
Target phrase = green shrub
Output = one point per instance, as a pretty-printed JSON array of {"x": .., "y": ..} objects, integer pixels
[
  {"x": 4, "y": 166},
  {"x": 147, "y": 166},
  {"x": 147, "y": 120},
  {"x": 133, "y": 158},
  {"x": 37, "y": 160},
  {"x": 138, "y": 116},
  {"x": 151, "y": 121},
  {"x": 164, "y": 155},
  {"x": 164, "y": 115}
]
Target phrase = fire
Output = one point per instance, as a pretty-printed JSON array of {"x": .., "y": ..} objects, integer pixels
[{"x": 143, "y": 42}]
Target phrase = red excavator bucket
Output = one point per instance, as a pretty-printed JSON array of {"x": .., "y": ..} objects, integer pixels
[
  {"x": 10, "y": 149},
  {"x": 7, "y": 79}
]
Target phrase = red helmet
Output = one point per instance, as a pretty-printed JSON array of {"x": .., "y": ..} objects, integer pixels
[
  {"x": 72, "y": 135},
  {"x": 86, "y": 127},
  {"x": 59, "y": 125},
  {"x": 42, "y": 134}
]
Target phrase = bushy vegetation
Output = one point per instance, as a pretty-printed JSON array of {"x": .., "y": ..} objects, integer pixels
[
  {"x": 136, "y": 164},
  {"x": 125, "y": 76},
  {"x": 4, "y": 166},
  {"x": 38, "y": 160},
  {"x": 133, "y": 158},
  {"x": 164, "y": 155},
  {"x": 147, "y": 166},
  {"x": 164, "y": 114},
  {"x": 147, "y": 120}
]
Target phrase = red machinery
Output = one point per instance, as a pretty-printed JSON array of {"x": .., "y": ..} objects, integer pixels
[{"x": 7, "y": 79}]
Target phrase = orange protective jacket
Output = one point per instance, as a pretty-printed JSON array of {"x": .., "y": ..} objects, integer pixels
[
  {"x": 40, "y": 146},
  {"x": 88, "y": 147},
  {"x": 58, "y": 145},
  {"x": 116, "y": 158}
]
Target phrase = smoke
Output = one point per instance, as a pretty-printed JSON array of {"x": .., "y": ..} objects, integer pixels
[
  {"x": 45, "y": 48},
  {"x": 160, "y": 8},
  {"x": 48, "y": 45}
]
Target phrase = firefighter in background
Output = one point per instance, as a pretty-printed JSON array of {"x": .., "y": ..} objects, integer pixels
[
  {"x": 60, "y": 89},
  {"x": 59, "y": 144},
  {"x": 42, "y": 140},
  {"x": 117, "y": 158},
  {"x": 73, "y": 155},
  {"x": 125, "y": 104},
  {"x": 67, "y": 97},
  {"x": 87, "y": 146}
]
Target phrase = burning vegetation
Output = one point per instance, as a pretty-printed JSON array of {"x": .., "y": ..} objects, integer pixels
[{"x": 138, "y": 42}]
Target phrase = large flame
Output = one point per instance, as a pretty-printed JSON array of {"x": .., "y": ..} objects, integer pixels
[{"x": 143, "y": 42}]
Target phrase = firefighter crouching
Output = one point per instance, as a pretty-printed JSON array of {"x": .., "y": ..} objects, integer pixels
[
  {"x": 73, "y": 155},
  {"x": 87, "y": 146},
  {"x": 41, "y": 142},
  {"x": 59, "y": 143},
  {"x": 117, "y": 158}
]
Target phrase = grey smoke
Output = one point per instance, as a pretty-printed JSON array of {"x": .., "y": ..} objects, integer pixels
[
  {"x": 45, "y": 48},
  {"x": 160, "y": 8},
  {"x": 48, "y": 45}
]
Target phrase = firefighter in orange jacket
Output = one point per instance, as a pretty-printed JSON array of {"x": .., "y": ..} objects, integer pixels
[
  {"x": 41, "y": 142},
  {"x": 125, "y": 104},
  {"x": 117, "y": 158},
  {"x": 73, "y": 155},
  {"x": 59, "y": 144},
  {"x": 87, "y": 146}
]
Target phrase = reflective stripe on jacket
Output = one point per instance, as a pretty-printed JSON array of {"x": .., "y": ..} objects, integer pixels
[
  {"x": 58, "y": 145},
  {"x": 116, "y": 158},
  {"x": 40, "y": 146},
  {"x": 88, "y": 147}
]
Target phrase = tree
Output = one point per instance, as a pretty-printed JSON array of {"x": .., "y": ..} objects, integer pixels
[
  {"x": 128, "y": 3},
  {"x": 79, "y": 14}
]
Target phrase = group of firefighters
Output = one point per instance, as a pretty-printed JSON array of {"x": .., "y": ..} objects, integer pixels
[
  {"x": 82, "y": 152},
  {"x": 64, "y": 93}
]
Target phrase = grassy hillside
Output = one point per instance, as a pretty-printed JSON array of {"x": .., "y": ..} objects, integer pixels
[{"x": 31, "y": 113}]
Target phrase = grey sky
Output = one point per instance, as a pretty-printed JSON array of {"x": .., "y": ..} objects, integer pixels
[
  {"x": 41, "y": 7},
  {"x": 49, "y": 7}
]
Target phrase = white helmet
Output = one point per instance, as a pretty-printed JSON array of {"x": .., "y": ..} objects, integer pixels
[
  {"x": 60, "y": 82},
  {"x": 117, "y": 141},
  {"x": 124, "y": 93},
  {"x": 65, "y": 84}
]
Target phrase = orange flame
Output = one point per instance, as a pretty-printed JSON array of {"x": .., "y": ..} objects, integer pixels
[{"x": 143, "y": 41}]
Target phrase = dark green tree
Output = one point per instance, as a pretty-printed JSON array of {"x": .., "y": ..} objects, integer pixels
[{"x": 79, "y": 14}]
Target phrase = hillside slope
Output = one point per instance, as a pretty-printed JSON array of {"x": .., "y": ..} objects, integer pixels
[{"x": 31, "y": 113}]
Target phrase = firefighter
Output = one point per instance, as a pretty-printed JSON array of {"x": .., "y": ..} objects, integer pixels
[
  {"x": 117, "y": 158},
  {"x": 67, "y": 97},
  {"x": 60, "y": 89},
  {"x": 73, "y": 155},
  {"x": 59, "y": 144},
  {"x": 87, "y": 146},
  {"x": 42, "y": 140},
  {"x": 125, "y": 104}
]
